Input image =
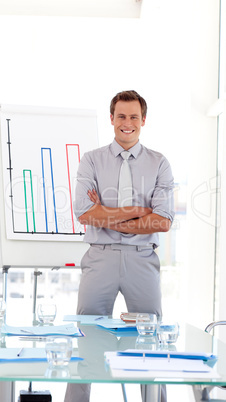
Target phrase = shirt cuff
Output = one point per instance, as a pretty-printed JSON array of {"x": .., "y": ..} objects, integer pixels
[{"x": 164, "y": 214}]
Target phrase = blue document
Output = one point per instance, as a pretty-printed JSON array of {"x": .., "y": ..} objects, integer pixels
[
  {"x": 46, "y": 330},
  {"x": 168, "y": 354},
  {"x": 118, "y": 327},
  {"x": 86, "y": 319},
  {"x": 16, "y": 355}
]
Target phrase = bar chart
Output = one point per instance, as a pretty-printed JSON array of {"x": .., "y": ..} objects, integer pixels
[{"x": 41, "y": 152}]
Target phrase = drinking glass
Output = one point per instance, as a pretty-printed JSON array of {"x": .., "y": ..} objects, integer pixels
[
  {"x": 58, "y": 351},
  {"x": 46, "y": 313},
  {"x": 2, "y": 309},
  {"x": 167, "y": 332},
  {"x": 146, "y": 324}
]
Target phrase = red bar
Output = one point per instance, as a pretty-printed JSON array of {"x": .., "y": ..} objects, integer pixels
[{"x": 69, "y": 180}]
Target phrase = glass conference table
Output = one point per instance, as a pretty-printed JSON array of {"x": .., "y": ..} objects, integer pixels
[{"x": 93, "y": 369}]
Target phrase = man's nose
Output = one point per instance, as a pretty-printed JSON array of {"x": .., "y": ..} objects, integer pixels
[{"x": 127, "y": 121}]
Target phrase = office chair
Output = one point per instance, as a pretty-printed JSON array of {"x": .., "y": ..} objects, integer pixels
[
  {"x": 202, "y": 394},
  {"x": 214, "y": 324}
]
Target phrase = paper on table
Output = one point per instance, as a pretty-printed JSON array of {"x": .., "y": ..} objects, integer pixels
[
  {"x": 85, "y": 319},
  {"x": 26, "y": 354},
  {"x": 67, "y": 329},
  {"x": 160, "y": 367}
]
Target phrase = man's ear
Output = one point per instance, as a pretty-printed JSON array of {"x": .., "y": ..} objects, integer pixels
[
  {"x": 143, "y": 121},
  {"x": 112, "y": 119}
]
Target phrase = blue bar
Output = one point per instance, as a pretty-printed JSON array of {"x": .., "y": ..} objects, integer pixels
[{"x": 44, "y": 191}]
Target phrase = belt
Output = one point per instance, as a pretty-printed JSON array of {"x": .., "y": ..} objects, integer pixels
[{"x": 128, "y": 247}]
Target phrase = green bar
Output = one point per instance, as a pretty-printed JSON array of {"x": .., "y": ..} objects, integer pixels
[{"x": 32, "y": 199}]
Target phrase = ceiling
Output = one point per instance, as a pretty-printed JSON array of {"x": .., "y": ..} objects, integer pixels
[{"x": 75, "y": 8}]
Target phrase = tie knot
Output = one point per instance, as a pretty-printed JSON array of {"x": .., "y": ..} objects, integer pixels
[{"x": 125, "y": 154}]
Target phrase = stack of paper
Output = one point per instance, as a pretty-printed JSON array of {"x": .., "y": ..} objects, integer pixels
[
  {"x": 142, "y": 363},
  {"x": 66, "y": 330}
]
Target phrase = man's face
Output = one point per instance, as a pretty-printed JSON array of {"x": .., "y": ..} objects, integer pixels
[{"x": 127, "y": 121}]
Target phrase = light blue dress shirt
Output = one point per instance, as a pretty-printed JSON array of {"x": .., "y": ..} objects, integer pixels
[{"x": 152, "y": 187}]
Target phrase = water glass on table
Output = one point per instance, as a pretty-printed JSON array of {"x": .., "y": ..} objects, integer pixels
[
  {"x": 146, "y": 324},
  {"x": 167, "y": 332},
  {"x": 58, "y": 351},
  {"x": 46, "y": 313}
]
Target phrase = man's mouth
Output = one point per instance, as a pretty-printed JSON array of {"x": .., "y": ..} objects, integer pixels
[{"x": 127, "y": 131}]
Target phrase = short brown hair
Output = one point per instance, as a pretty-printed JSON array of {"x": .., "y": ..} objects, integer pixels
[{"x": 129, "y": 96}]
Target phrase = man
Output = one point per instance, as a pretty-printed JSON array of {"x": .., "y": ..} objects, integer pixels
[{"x": 123, "y": 234}]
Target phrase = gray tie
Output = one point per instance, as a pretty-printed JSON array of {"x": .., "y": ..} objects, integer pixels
[{"x": 125, "y": 188}]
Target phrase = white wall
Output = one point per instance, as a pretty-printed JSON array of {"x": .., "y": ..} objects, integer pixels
[
  {"x": 221, "y": 267},
  {"x": 202, "y": 162},
  {"x": 221, "y": 280}
]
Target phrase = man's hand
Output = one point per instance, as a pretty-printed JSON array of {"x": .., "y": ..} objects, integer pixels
[{"x": 94, "y": 196}]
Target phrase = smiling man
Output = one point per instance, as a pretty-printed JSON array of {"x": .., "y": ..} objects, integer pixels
[{"x": 122, "y": 236}]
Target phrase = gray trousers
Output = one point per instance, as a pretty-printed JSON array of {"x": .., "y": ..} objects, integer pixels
[{"x": 107, "y": 270}]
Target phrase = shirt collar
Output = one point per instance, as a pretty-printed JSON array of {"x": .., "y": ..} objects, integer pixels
[{"x": 117, "y": 149}]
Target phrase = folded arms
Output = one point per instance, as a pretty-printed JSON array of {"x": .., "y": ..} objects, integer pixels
[{"x": 133, "y": 220}]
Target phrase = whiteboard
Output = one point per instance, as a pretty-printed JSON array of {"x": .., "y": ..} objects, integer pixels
[{"x": 40, "y": 152}]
